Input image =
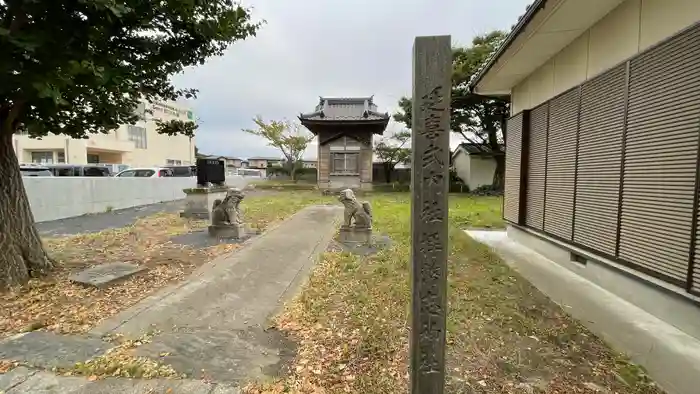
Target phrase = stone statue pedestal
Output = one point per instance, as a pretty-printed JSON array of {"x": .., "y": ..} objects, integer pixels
[
  {"x": 360, "y": 235},
  {"x": 199, "y": 201},
  {"x": 227, "y": 231}
]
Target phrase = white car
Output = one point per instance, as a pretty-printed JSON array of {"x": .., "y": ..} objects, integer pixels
[{"x": 148, "y": 172}]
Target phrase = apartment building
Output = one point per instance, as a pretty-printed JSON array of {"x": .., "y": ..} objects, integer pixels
[{"x": 134, "y": 145}]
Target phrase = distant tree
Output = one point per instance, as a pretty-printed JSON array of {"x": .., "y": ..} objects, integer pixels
[
  {"x": 391, "y": 151},
  {"x": 289, "y": 137},
  {"x": 196, "y": 151},
  {"x": 477, "y": 119},
  {"x": 82, "y": 67}
]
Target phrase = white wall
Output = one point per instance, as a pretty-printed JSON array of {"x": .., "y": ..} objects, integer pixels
[
  {"x": 481, "y": 171},
  {"x": 462, "y": 165},
  {"x": 474, "y": 170},
  {"x": 53, "y": 198},
  {"x": 632, "y": 27}
]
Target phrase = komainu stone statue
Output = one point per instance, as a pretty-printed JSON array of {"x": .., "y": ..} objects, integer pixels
[
  {"x": 227, "y": 211},
  {"x": 356, "y": 213},
  {"x": 226, "y": 220}
]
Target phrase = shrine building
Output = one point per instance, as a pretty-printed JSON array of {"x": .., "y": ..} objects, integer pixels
[{"x": 345, "y": 128}]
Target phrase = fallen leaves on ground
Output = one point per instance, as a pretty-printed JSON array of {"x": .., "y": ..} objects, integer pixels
[
  {"x": 8, "y": 365},
  {"x": 504, "y": 336},
  {"x": 56, "y": 304},
  {"x": 120, "y": 362}
]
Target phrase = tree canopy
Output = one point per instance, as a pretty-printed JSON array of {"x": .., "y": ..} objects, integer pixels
[
  {"x": 82, "y": 66},
  {"x": 289, "y": 137},
  {"x": 477, "y": 119},
  {"x": 392, "y": 150}
]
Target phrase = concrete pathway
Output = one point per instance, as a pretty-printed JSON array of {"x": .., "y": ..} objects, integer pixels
[{"x": 213, "y": 326}]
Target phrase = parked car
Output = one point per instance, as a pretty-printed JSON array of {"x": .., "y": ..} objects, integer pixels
[
  {"x": 79, "y": 170},
  {"x": 34, "y": 171},
  {"x": 114, "y": 168},
  {"x": 183, "y": 171},
  {"x": 150, "y": 172}
]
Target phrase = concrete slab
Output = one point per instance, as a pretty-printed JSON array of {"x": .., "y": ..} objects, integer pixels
[
  {"x": 222, "y": 356},
  {"x": 104, "y": 275},
  {"x": 14, "y": 378},
  {"x": 671, "y": 356},
  {"x": 48, "y": 350}
]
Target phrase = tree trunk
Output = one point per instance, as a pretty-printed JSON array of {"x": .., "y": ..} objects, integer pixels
[
  {"x": 499, "y": 173},
  {"x": 499, "y": 155},
  {"x": 388, "y": 169},
  {"x": 22, "y": 253}
]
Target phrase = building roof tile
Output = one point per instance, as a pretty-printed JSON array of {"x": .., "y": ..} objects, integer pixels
[{"x": 345, "y": 109}]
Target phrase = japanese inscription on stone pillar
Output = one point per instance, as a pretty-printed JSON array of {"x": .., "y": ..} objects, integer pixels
[{"x": 432, "y": 69}]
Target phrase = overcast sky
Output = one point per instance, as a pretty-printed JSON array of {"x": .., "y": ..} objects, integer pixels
[{"x": 313, "y": 48}]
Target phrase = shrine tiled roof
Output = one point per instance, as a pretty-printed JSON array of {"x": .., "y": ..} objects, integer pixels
[{"x": 345, "y": 109}]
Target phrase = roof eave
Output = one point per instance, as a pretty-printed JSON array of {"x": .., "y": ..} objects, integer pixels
[
  {"x": 523, "y": 21},
  {"x": 342, "y": 121}
]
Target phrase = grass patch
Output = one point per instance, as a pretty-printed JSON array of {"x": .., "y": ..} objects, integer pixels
[
  {"x": 55, "y": 304},
  {"x": 504, "y": 336}
]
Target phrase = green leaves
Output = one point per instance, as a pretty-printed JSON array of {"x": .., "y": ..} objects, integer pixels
[
  {"x": 390, "y": 150},
  {"x": 290, "y": 138},
  {"x": 82, "y": 67},
  {"x": 472, "y": 116},
  {"x": 176, "y": 127}
]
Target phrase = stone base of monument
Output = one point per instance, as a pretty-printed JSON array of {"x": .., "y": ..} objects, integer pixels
[
  {"x": 360, "y": 241},
  {"x": 227, "y": 231},
  {"x": 199, "y": 201},
  {"x": 355, "y": 235}
]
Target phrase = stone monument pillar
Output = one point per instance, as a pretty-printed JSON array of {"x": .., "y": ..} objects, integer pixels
[
  {"x": 211, "y": 186},
  {"x": 432, "y": 71}
]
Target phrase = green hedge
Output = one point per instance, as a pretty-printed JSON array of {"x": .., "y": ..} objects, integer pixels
[
  {"x": 300, "y": 173},
  {"x": 391, "y": 187},
  {"x": 286, "y": 186}
]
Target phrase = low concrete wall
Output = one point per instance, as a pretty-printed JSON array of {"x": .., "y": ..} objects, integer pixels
[
  {"x": 53, "y": 198},
  {"x": 652, "y": 295}
]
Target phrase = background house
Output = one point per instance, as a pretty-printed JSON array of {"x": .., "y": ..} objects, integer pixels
[
  {"x": 474, "y": 165},
  {"x": 309, "y": 163},
  {"x": 135, "y": 145},
  {"x": 602, "y": 147},
  {"x": 260, "y": 162}
]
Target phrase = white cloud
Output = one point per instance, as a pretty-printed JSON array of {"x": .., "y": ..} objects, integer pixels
[{"x": 317, "y": 48}]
